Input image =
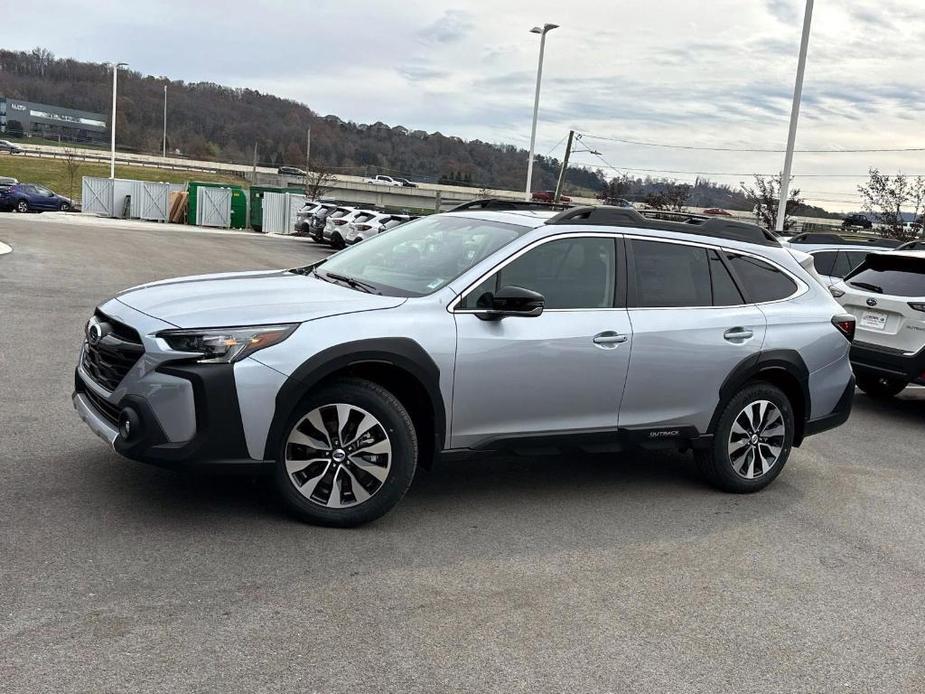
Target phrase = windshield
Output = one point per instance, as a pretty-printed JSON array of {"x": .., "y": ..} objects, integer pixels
[{"x": 422, "y": 256}]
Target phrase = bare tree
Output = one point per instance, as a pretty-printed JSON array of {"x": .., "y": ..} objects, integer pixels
[
  {"x": 885, "y": 197},
  {"x": 676, "y": 195},
  {"x": 765, "y": 196},
  {"x": 657, "y": 201},
  {"x": 72, "y": 166},
  {"x": 318, "y": 180}
]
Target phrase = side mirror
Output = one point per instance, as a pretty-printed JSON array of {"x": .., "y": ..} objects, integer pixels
[{"x": 512, "y": 301}]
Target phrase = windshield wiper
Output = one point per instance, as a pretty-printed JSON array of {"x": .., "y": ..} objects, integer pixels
[
  {"x": 353, "y": 283},
  {"x": 868, "y": 287}
]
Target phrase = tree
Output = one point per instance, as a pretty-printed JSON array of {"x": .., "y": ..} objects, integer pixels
[
  {"x": 72, "y": 167},
  {"x": 656, "y": 200},
  {"x": 885, "y": 196},
  {"x": 318, "y": 180},
  {"x": 676, "y": 195},
  {"x": 765, "y": 198}
]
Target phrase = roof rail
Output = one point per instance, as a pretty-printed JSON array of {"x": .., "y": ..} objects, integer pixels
[
  {"x": 503, "y": 204},
  {"x": 694, "y": 224},
  {"x": 844, "y": 239}
]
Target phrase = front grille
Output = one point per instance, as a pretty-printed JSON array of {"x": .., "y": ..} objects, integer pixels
[{"x": 110, "y": 359}]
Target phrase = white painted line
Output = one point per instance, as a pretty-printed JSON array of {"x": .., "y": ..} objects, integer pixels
[{"x": 4, "y": 249}]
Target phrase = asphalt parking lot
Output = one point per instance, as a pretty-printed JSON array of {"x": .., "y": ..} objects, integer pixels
[{"x": 588, "y": 574}]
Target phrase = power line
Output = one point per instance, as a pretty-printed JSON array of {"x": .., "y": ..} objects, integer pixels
[
  {"x": 753, "y": 150},
  {"x": 740, "y": 173}
]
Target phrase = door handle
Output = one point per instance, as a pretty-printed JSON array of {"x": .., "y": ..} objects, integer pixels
[
  {"x": 738, "y": 334},
  {"x": 609, "y": 338}
]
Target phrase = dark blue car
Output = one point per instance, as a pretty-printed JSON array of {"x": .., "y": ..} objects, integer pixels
[{"x": 31, "y": 197}]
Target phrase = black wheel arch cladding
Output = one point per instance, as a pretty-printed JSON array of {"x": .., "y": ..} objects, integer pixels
[
  {"x": 402, "y": 353},
  {"x": 753, "y": 366}
]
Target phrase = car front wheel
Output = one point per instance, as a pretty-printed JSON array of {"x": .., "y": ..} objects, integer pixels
[
  {"x": 349, "y": 454},
  {"x": 881, "y": 387},
  {"x": 22, "y": 206},
  {"x": 64, "y": 207},
  {"x": 752, "y": 440}
]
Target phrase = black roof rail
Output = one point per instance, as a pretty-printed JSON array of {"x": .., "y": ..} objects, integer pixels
[
  {"x": 502, "y": 204},
  {"x": 844, "y": 239},
  {"x": 694, "y": 224}
]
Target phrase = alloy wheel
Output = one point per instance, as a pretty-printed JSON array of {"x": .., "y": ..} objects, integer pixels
[
  {"x": 22, "y": 206},
  {"x": 338, "y": 455},
  {"x": 756, "y": 439}
]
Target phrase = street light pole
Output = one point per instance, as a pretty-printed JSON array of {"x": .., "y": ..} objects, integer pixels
[
  {"x": 164, "y": 153},
  {"x": 112, "y": 126},
  {"x": 794, "y": 117},
  {"x": 546, "y": 28}
]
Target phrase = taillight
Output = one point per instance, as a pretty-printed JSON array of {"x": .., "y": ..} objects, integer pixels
[
  {"x": 362, "y": 227},
  {"x": 845, "y": 325},
  {"x": 340, "y": 221},
  {"x": 916, "y": 306}
]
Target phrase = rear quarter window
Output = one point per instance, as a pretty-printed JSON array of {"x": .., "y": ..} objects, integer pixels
[{"x": 760, "y": 280}]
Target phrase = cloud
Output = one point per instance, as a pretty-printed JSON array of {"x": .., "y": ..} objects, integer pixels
[
  {"x": 785, "y": 11},
  {"x": 452, "y": 27}
]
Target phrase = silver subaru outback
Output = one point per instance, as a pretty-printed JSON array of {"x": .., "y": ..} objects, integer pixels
[{"x": 492, "y": 327}]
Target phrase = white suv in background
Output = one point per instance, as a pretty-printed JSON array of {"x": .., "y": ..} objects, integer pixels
[
  {"x": 886, "y": 294},
  {"x": 836, "y": 255},
  {"x": 369, "y": 224},
  {"x": 381, "y": 180}
]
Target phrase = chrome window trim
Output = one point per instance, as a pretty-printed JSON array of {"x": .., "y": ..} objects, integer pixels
[
  {"x": 451, "y": 307},
  {"x": 802, "y": 287}
]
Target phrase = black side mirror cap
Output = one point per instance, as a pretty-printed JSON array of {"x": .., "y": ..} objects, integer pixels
[{"x": 513, "y": 301}]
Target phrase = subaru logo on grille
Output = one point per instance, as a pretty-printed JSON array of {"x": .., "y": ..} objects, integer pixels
[
  {"x": 96, "y": 331},
  {"x": 871, "y": 302}
]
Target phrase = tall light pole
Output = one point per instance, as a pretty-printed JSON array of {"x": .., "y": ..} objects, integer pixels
[
  {"x": 164, "y": 153},
  {"x": 112, "y": 126},
  {"x": 794, "y": 117},
  {"x": 542, "y": 31}
]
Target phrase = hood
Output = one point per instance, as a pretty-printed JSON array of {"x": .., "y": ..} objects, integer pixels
[{"x": 249, "y": 298}]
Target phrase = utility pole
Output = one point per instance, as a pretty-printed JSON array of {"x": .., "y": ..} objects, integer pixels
[
  {"x": 308, "y": 152},
  {"x": 568, "y": 152},
  {"x": 164, "y": 154},
  {"x": 542, "y": 31},
  {"x": 794, "y": 118},
  {"x": 112, "y": 153}
]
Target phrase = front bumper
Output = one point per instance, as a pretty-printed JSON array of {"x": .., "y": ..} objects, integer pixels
[{"x": 875, "y": 360}]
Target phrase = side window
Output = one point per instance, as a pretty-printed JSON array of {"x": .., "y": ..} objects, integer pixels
[
  {"x": 842, "y": 265},
  {"x": 762, "y": 281},
  {"x": 725, "y": 291},
  {"x": 569, "y": 273},
  {"x": 669, "y": 274},
  {"x": 825, "y": 262},
  {"x": 855, "y": 258}
]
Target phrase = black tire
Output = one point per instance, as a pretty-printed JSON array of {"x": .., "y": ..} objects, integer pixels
[
  {"x": 337, "y": 241},
  {"x": 64, "y": 207},
  {"x": 880, "y": 387},
  {"x": 317, "y": 236},
  {"x": 716, "y": 464},
  {"x": 397, "y": 424},
  {"x": 22, "y": 207}
]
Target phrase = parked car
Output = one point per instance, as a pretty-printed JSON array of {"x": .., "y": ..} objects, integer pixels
[
  {"x": 886, "y": 294},
  {"x": 9, "y": 147},
  {"x": 334, "y": 221},
  {"x": 318, "y": 220},
  {"x": 593, "y": 328},
  {"x": 381, "y": 180},
  {"x": 836, "y": 255},
  {"x": 303, "y": 217},
  {"x": 290, "y": 171},
  {"x": 549, "y": 196},
  {"x": 406, "y": 183},
  {"x": 717, "y": 212},
  {"x": 369, "y": 224},
  {"x": 31, "y": 197},
  {"x": 857, "y": 221}
]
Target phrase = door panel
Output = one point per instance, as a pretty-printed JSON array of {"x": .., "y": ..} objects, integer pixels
[
  {"x": 522, "y": 376},
  {"x": 681, "y": 356}
]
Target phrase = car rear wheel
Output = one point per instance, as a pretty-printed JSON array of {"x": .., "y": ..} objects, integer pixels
[
  {"x": 349, "y": 454},
  {"x": 881, "y": 386},
  {"x": 337, "y": 241},
  {"x": 752, "y": 440},
  {"x": 64, "y": 207},
  {"x": 22, "y": 206}
]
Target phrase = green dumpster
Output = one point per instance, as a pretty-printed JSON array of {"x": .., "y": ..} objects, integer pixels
[
  {"x": 238, "y": 202},
  {"x": 256, "y": 196}
]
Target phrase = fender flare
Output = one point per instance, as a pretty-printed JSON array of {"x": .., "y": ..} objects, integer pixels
[
  {"x": 787, "y": 360},
  {"x": 401, "y": 352}
]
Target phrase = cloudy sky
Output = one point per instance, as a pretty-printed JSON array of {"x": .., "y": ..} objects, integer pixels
[{"x": 711, "y": 73}]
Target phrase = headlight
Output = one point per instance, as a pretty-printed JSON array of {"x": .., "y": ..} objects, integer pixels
[{"x": 226, "y": 345}]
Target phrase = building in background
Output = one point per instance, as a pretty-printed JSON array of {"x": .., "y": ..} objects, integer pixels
[{"x": 26, "y": 119}]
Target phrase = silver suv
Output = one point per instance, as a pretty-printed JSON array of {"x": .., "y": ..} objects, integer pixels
[{"x": 482, "y": 329}]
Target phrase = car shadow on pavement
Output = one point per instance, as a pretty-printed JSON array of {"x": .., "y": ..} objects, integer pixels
[{"x": 909, "y": 405}]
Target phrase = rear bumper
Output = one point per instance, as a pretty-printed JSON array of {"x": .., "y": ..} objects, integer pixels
[
  {"x": 838, "y": 416},
  {"x": 878, "y": 361}
]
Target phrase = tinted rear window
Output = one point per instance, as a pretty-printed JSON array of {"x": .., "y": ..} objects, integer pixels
[
  {"x": 761, "y": 280},
  {"x": 890, "y": 275},
  {"x": 669, "y": 274}
]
